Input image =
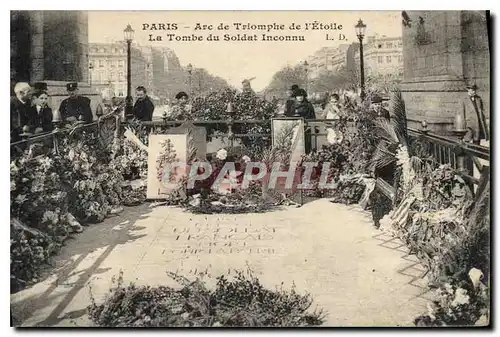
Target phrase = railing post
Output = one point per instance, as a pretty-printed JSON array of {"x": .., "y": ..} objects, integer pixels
[
  {"x": 460, "y": 157},
  {"x": 230, "y": 124},
  {"x": 117, "y": 135},
  {"x": 25, "y": 136}
]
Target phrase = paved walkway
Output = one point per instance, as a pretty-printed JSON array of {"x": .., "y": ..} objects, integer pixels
[{"x": 359, "y": 276}]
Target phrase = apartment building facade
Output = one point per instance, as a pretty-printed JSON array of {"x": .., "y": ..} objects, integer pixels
[
  {"x": 108, "y": 67},
  {"x": 382, "y": 56}
]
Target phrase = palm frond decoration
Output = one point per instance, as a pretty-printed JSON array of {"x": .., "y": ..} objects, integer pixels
[
  {"x": 381, "y": 158},
  {"x": 388, "y": 130},
  {"x": 480, "y": 210},
  {"x": 282, "y": 148},
  {"x": 397, "y": 111}
]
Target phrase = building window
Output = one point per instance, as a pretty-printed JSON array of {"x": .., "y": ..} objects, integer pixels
[
  {"x": 389, "y": 45},
  {"x": 121, "y": 63},
  {"x": 113, "y": 76},
  {"x": 400, "y": 44},
  {"x": 101, "y": 63},
  {"x": 388, "y": 59},
  {"x": 380, "y": 59},
  {"x": 120, "y": 76},
  {"x": 101, "y": 76},
  {"x": 400, "y": 58},
  {"x": 112, "y": 64}
]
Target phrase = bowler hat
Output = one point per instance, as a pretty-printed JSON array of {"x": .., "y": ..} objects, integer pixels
[
  {"x": 300, "y": 92},
  {"x": 473, "y": 87},
  {"x": 294, "y": 87},
  {"x": 180, "y": 95},
  {"x": 72, "y": 86},
  {"x": 376, "y": 99},
  {"x": 40, "y": 86}
]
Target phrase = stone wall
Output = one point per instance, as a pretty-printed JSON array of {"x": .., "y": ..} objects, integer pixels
[
  {"x": 20, "y": 47},
  {"x": 475, "y": 52},
  {"x": 443, "y": 51},
  {"x": 51, "y": 47}
]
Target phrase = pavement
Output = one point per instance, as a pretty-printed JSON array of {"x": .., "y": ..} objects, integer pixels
[{"x": 359, "y": 276}]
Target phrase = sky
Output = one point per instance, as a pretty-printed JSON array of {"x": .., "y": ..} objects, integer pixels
[{"x": 235, "y": 61}]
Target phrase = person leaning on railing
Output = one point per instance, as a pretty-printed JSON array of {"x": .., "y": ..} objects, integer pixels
[
  {"x": 143, "y": 107},
  {"x": 22, "y": 112},
  {"x": 75, "y": 107},
  {"x": 43, "y": 111},
  {"x": 332, "y": 109},
  {"x": 304, "y": 109}
]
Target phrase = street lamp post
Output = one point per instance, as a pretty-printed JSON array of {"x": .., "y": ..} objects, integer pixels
[
  {"x": 360, "y": 32},
  {"x": 189, "y": 69},
  {"x": 129, "y": 36},
  {"x": 306, "y": 68}
]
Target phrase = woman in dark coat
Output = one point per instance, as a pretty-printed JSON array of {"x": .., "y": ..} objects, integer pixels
[
  {"x": 304, "y": 109},
  {"x": 43, "y": 112}
]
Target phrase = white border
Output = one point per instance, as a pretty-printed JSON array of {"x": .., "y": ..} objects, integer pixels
[{"x": 193, "y": 5}]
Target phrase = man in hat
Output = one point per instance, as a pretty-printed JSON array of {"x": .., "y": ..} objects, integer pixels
[
  {"x": 377, "y": 109},
  {"x": 75, "y": 107},
  {"x": 22, "y": 112},
  {"x": 290, "y": 102},
  {"x": 40, "y": 86},
  {"x": 477, "y": 121}
]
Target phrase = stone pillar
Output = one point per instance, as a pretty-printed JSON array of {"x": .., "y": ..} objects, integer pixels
[
  {"x": 66, "y": 54},
  {"x": 36, "y": 51},
  {"x": 20, "y": 47},
  {"x": 83, "y": 46},
  {"x": 475, "y": 53},
  {"x": 436, "y": 66}
]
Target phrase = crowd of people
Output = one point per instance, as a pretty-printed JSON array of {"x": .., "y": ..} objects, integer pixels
[
  {"x": 333, "y": 106},
  {"x": 30, "y": 112}
]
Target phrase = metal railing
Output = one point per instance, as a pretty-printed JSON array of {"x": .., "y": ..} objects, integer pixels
[
  {"x": 49, "y": 141},
  {"x": 310, "y": 124},
  {"x": 461, "y": 156},
  {"x": 444, "y": 150}
]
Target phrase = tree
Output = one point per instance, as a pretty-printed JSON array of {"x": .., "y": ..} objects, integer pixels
[
  {"x": 384, "y": 83},
  {"x": 284, "y": 79},
  {"x": 330, "y": 80},
  {"x": 202, "y": 82}
]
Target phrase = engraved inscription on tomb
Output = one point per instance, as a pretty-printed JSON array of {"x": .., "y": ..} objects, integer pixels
[{"x": 204, "y": 239}]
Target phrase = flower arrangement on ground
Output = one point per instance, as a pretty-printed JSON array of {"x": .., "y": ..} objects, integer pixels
[
  {"x": 54, "y": 194},
  {"x": 239, "y": 302}
]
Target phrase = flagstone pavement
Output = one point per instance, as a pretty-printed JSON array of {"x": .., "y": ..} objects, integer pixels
[{"x": 358, "y": 275}]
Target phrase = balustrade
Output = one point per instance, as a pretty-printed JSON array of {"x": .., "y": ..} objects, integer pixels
[
  {"x": 459, "y": 155},
  {"x": 443, "y": 150}
]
